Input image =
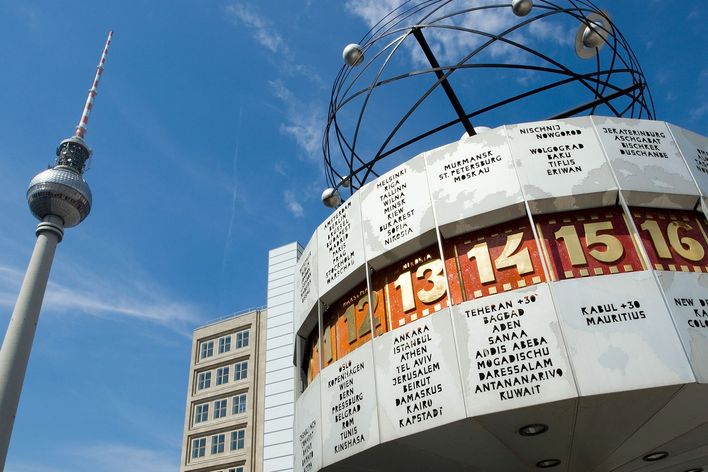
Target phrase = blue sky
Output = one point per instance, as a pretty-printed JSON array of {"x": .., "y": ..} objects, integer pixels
[{"x": 206, "y": 131}]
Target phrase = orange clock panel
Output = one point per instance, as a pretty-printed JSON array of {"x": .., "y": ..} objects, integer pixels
[
  {"x": 311, "y": 361},
  {"x": 347, "y": 324},
  {"x": 413, "y": 287},
  {"x": 675, "y": 240},
  {"x": 586, "y": 243},
  {"x": 493, "y": 260}
]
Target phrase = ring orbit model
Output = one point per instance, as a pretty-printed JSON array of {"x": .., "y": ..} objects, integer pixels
[{"x": 529, "y": 296}]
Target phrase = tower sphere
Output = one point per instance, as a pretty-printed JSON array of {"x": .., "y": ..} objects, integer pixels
[
  {"x": 521, "y": 7},
  {"x": 60, "y": 191},
  {"x": 353, "y": 54}
]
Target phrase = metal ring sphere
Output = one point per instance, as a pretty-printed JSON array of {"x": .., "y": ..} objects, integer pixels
[{"x": 507, "y": 68}]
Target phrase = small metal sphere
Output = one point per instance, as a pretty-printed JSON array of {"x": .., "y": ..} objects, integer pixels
[
  {"x": 353, "y": 54},
  {"x": 331, "y": 197},
  {"x": 346, "y": 182},
  {"x": 594, "y": 35},
  {"x": 62, "y": 192},
  {"x": 521, "y": 7}
]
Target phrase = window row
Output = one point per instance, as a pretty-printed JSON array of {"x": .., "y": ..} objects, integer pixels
[
  {"x": 237, "y": 440},
  {"x": 222, "y": 375},
  {"x": 220, "y": 408},
  {"x": 240, "y": 338}
]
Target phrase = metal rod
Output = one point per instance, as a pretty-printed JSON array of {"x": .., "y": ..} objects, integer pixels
[
  {"x": 442, "y": 78},
  {"x": 81, "y": 127}
]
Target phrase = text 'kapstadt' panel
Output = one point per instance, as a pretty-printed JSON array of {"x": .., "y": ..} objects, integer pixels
[
  {"x": 674, "y": 240},
  {"x": 413, "y": 287},
  {"x": 587, "y": 243},
  {"x": 493, "y": 260}
]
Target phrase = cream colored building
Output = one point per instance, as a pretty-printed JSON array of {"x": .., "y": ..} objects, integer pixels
[{"x": 224, "y": 413}]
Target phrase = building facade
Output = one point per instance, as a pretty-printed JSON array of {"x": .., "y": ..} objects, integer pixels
[
  {"x": 279, "y": 393},
  {"x": 534, "y": 296},
  {"x": 224, "y": 412}
]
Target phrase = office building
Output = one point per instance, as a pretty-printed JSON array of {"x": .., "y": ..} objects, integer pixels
[{"x": 224, "y": 413}]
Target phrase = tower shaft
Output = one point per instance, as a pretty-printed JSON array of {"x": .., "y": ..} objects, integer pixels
[{"x": 15, "y": 351}]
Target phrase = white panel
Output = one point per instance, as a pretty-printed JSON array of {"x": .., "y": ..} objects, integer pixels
[
  {"x": 276, "y": 276},
  {"x": 617, "y": 329},
  {"x": 278, "y": 424},
  {"x": 279, "y": 330},
  {"x": 278, "y": 437},
  {"x": 306, "y": 285},
  {"x": 512, "y": 353},
  {"x": 694, "y": 149},
  {"x": 281, "y": 411},
  {"x": 277, "y": 310},
  {"x": 275, "y": 291},
  {"x": 397, "y": 214},
  {"x": 278, "y": 364},
  {"x": 349, "y": 418},
  {"x": 473, "y": 183},
  {"x": 417, "y": 377},
  {"x": 282, "y": 340},
  {"x": 288, "y": 256},
  {"x": 340, "y": 251},
  {"x": 280, "y": 450},
  {"x": 561, "y": 165},
  {"x": 279, "y": 464},
  {"x": 278, "y": 352},
  {"x": 279, "y": 320},
  {"x": 647, "y": 163},
  {"x": 279, "y": 282},
  {"x": 279, "y": 387},
  {"x": 278, "y": 399},
  {"x": 283, "y": 249},
  {"x": 308, "y": 430},
  {"x": 281, "y": 299},
  {"x": 687, "y": 296},
  {"x": 277, "y": 279},
  {"x": 279, "y": 375}
]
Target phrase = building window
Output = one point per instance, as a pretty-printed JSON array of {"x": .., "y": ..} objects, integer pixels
[
  {"x": 219, "y": 408},
  {"x": 202, "y": 413},
  {"x": 236, "y": 469},
  {"x": 224, "y": 344},
  {"x": 237, "y": 439},
  {"x": 198, "y": 447},
  {"x": 207, "y": 349},
  {"x": 239, "y": 404},
  {"x": 222, "y": 375},
  {"x": 217, "y": 443},
  {"x": 241, "y": 370},
  {"x": 204, "y": 380},
  {"x": 242, "y": 338}
]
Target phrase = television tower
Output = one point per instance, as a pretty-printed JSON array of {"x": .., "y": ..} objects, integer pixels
[{"x": 60, "y": 198}]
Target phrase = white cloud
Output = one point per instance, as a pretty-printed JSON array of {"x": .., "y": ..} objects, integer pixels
[
  {"x": 263, "y": 30},
  {"x": 292, "y": 204},
  {"x": 90, "y": 294},
  {"x": 450, "y": 46},
  {"x": 303, "y": 122}
]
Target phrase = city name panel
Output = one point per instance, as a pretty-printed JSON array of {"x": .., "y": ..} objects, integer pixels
[{"x": 549, "y": 275}]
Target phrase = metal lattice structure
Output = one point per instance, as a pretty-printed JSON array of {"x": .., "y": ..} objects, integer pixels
[{"x": 547, "y": 74}]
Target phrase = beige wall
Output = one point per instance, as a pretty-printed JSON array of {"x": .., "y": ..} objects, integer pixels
[{"x": 251, "y": 420}]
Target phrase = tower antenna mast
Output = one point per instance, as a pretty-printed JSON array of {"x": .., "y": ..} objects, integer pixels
[{"x": 60, "y": 198}]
